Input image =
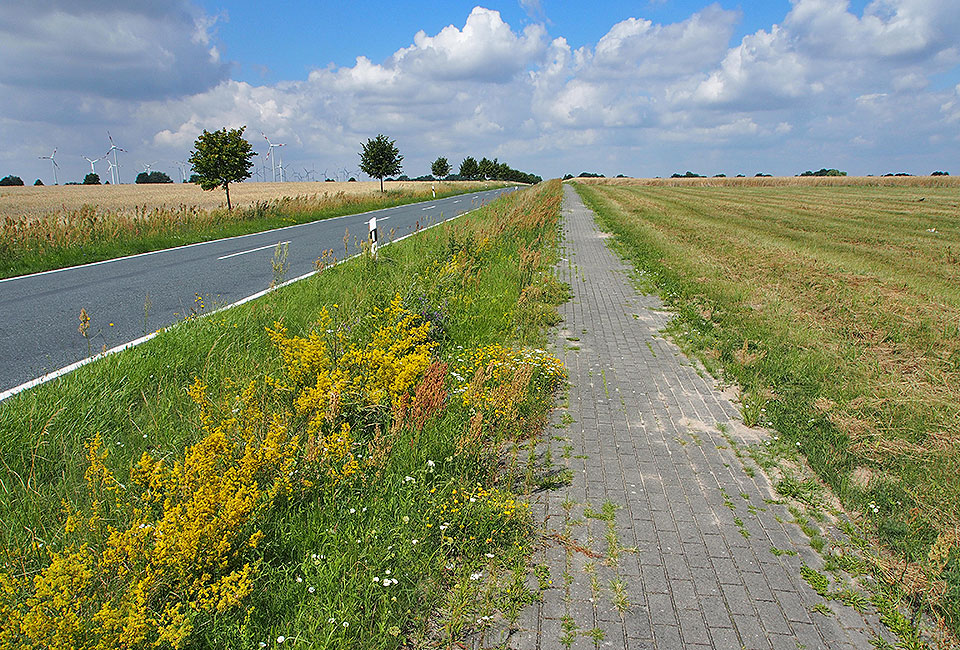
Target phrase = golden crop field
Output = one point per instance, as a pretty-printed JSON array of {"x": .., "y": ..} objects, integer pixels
[{"x": 30, "y": 201}]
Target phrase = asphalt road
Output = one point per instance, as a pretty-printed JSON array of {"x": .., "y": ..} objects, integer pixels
[{"x": 39, "y": 314}]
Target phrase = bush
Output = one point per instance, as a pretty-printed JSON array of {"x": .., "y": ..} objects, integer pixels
[
  {"x": 9, "y": 181},
  {"x": 91, "y": 179},
  {"x": 37, "y": 182},
  {"x": 824, "y": 172},
  {"x": 153, "y": 177},
  {"x": 937, "y": 173},
  {"x": 689, "y": 174}
]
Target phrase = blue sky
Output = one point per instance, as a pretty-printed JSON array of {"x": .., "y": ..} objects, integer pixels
[
  {"x": 642, "y": 88},
  {"x": 294, "y": 37}
]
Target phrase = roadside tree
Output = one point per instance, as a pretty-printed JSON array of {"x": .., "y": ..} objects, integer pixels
[
  {"x": 8, "y": 181},
  {"x": 220, "y": 158},
  {"x": 91, "y": 179},
  {"x": 380, "y": 157},
  {"x": 469, "y": 169},
  {"x": 440, "y": 168}
]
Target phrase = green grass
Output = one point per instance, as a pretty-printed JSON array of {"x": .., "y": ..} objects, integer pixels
[
  {"x": 837, "y": 312},
  {"x": 69, "y": 238},
  {"x": 389, "y": 559}
]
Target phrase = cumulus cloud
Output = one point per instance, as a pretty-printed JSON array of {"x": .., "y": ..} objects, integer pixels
[
  {"x": 822, "y": 49},
  {"x": 647, "y": 98},
  {"x": 486, "y": 49},
  {"x": 111, "y": 49}
]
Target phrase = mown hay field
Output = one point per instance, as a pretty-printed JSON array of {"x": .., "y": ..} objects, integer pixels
[
  {"x": 30, "y": 201},
  {"x": 834, "y": 304},
  {"x": 782, "y": 181}
]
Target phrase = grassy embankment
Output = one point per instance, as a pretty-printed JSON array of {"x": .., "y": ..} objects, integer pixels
[
  {"x": 837, "y": 311},
  {"x": 334, "y": 465},
  {"x": 66, "y": 236}
]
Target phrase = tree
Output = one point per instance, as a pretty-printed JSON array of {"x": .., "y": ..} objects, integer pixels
[
  {"x": 220, "y": 158},
  {"x": 153, "y": 177},
  {"x": 469, "y": 169},
  {"x": 380, "y": 157},
  {"x": 37, "y": 183},
  {"x": 440, "y": 168},
  {"x": 486, "y": 168},
  {"x": 91, "y": 179},
  {"x": 824, "y": 172},
  {"x": 7, "y": 181}
]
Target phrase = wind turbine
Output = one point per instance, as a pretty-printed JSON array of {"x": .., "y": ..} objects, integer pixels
[
  {"x": 147, "y": 166},
  {"x": 181, "y": 165},
  {"x": 276, "y": 160},
  {"x": 52, "y": 159},
  {"x": 115, "y": 167},
  {"x": 93, "y": 162}
]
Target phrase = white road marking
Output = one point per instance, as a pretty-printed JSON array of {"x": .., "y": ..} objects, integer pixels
[
  {"x": 430, "y": 207},
  {"x": 253, "y": 250}
]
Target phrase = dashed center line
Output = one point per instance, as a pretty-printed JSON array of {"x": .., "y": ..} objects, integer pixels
[{"x": 253, "y": 250}]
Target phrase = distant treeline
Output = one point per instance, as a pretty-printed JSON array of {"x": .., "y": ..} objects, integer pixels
[
  {"x": 690, "y": 174},
  {"x": 473, "y": 170},
  {"x": 152, "y": 177}
]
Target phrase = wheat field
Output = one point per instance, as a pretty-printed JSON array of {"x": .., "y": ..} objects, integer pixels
[{"x": 30, "y": 201}]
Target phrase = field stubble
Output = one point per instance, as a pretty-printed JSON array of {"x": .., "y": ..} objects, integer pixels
[{"x": 835, "y": 305}]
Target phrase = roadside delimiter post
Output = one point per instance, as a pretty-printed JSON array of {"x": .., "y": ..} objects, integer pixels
[{"x": 373, "y": 236}]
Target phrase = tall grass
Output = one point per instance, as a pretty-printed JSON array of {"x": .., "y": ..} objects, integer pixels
[
  {"x": 837, "y": 311},
  {"x": 334, "y": 465},
  {"x": 89, "y": 233}
]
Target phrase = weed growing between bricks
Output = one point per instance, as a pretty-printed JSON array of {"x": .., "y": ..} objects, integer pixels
[
  {"x": 828, "y": 348},
  {"x": 336, "y": 465}
]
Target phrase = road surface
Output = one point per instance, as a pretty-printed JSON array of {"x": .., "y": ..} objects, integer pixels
[{"x": 129, "y": 297}]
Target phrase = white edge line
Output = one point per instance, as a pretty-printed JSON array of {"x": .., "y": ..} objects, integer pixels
[
  {"x": 50, "y": 376},
  {"x": 212, "y": 241},
  {"x": 253, "y": 250}
]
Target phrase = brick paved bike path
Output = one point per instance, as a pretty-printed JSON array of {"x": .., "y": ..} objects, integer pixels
[{"x": 674, "y": 569}]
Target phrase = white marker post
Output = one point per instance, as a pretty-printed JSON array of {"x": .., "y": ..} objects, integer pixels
[
  {"x": 373, "y": 236},
  {"x": 434, "y": 187}
]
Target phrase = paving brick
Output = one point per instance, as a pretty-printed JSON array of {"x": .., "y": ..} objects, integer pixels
[{"x": 694, "y": 581}]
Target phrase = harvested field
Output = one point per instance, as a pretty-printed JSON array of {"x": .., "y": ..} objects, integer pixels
[
  {"x": 783, "y": 181},
  {"x": 30, "y": 201}
]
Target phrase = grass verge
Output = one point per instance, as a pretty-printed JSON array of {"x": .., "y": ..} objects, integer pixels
[
  {"x": 318, "y": 468},
  {"x": 90, "y": 234},
  {"x": 836, "y": 311}
]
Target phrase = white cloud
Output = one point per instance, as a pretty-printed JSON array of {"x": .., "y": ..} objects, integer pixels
[
  {"x": 131, "y": 51},
  {"x": 647, "y": 98},
  {"x": 486, "y": 49}
]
